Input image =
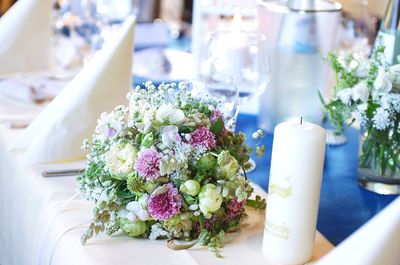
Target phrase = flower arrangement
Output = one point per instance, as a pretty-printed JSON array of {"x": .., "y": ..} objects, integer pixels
[
  {"x": 368, "y": 91},
  {"x": 166, "y": 167}
]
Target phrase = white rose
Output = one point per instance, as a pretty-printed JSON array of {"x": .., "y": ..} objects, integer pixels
[
  {"x": 382, "y": 82},
  {"x": 210, "y": 199},
  {"x": 191, "y": 187},
  {"x": 169, "y": 113},
  {"x": 120, "y": 159},
  {"x": 360, "y": 92},
  {"x": 170, "y": 136}
]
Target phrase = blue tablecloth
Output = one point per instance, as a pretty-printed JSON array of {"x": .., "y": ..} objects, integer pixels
[{"x": 344, "y": 205}]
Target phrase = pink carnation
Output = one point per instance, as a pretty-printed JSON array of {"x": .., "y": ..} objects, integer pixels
[
  {"x": 234, "y": 208},
  {"x": 163, "y": 206},
  {"x": 148, "y": 163},
  {"x": 203, "y": 137}
]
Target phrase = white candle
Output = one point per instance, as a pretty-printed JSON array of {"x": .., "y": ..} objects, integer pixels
[{"x": 294, "y": 187}]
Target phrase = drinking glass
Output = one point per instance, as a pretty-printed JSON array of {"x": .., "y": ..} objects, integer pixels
[
  {"x": 242, "y": 55},
  {"x": 222, "y": 88}
]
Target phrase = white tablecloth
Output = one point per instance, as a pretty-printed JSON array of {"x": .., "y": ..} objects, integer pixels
[{"x": 38, "y": 219}]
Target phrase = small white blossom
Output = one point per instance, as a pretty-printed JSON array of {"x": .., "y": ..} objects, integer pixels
[
  {"x": 381, "y": 119},
  {"x": 136, "y": 210},
  {"x": 157, "y": 231},
  {"x": 345, "y": 96},
  {"x": 360, "y": 115},
  {"x": 193, "y": 207},
  {"x": 108, "y": 126}
]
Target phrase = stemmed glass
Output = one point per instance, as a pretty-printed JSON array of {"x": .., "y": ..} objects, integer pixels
[
  {"x": 242, "y": 55},
  {"x": 222, "y": 88}
]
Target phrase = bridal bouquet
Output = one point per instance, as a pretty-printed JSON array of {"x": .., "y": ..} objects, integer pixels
[
  {"x": 166, "y": 167},
  {"x": 368, "y": 91}
]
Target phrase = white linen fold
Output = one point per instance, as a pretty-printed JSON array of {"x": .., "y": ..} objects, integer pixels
[
  {"x": 375, "y": 243},
  {"x": 56, "y": 135},
  {"x": 25, "y": 32}
]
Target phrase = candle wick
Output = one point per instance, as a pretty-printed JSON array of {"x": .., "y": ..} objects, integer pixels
[{"x": 301, "y": 120}]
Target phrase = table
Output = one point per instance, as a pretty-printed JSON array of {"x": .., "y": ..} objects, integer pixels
[
  {"x": 344, "y": 205},
  {"x": 41, "y": 221}
]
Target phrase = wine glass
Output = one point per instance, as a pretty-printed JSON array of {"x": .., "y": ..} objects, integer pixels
[
  {"x": 223, "y": 89},
  {"x": 242, "y": 55}
]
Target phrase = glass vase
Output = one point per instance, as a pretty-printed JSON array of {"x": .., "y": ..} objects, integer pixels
[{"x": 379, "y": 160}]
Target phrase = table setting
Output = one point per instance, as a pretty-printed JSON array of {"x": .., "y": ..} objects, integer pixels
[{"x": 249, "y": 137}]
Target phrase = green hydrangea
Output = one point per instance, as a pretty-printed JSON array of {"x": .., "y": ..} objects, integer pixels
[
  {"x": 205, "y": 163},
  {"x": 228, "y": 165},
  {"x": 133, "y": 229},
  {"x": 135, "y": 183},
  {"x": 180, "y": 225}
]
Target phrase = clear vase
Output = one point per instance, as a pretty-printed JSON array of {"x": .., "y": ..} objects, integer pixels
[{"x": 379, "y": 160}]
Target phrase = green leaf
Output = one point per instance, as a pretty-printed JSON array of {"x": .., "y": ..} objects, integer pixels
[{"x": 217, "y": 127}]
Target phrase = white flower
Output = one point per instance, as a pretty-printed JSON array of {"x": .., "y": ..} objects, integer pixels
[
  {"x": 108, "y": 126},
  {"x": 394, "y": 74},
  {"x": 396, "y": 102},
  {"x": 360, "y": 92},
  {"x": 381, "y": 119},
  {"x": 191, "y": 187},
  {"x": 362, "y": 71},
  {"x": 385, "y": 101},
  {"x": 120, "y": 159},
  {"x": 135, "y": 210},
  {"x": 157, "y": 231},
  {"x": 382, "y": 82},
  {"x": 170, "y": 136},
  {"x": 168, "y": 113},
  {"x": 210, "y": 200},
  {"x": 354, "y": 64},
  {"x": 345, "y": 96},
  {"x": 359, "y": 114}
]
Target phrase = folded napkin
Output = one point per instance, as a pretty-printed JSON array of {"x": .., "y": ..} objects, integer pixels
[
  {"x": 375, "y": 243},
  {"x": 25, "y": 37},
  {"x": 30, "y": 89},
  {"x": 56, "y": 135}
]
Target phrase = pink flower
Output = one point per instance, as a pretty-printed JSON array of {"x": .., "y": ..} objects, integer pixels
[
  {"x": 148, "y": 163},
  {"x": 164, "y": 202},
  {"x": 234, "y": 208},
  {"x": 216, "y": 115},
  {"x": 203, "y": 137},
  {"x": 209, "y": 223}
]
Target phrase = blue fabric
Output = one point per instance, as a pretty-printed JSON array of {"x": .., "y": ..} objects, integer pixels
[{"x": 344, "y": 205}]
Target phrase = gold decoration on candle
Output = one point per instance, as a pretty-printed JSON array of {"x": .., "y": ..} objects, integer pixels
[
  {"x": 279, "y": 230},
  {"x": 281, "y": 187}
]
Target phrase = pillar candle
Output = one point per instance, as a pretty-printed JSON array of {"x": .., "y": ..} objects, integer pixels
[{"x": 294, "y": 187}]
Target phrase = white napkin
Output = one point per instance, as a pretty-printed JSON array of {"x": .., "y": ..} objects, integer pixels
[
  {"x": 57, "y": 133},
  {"x": 375, "y": 243},
  {"x": 25, "y": 37},
  {"x": 27, "y": 89}
]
